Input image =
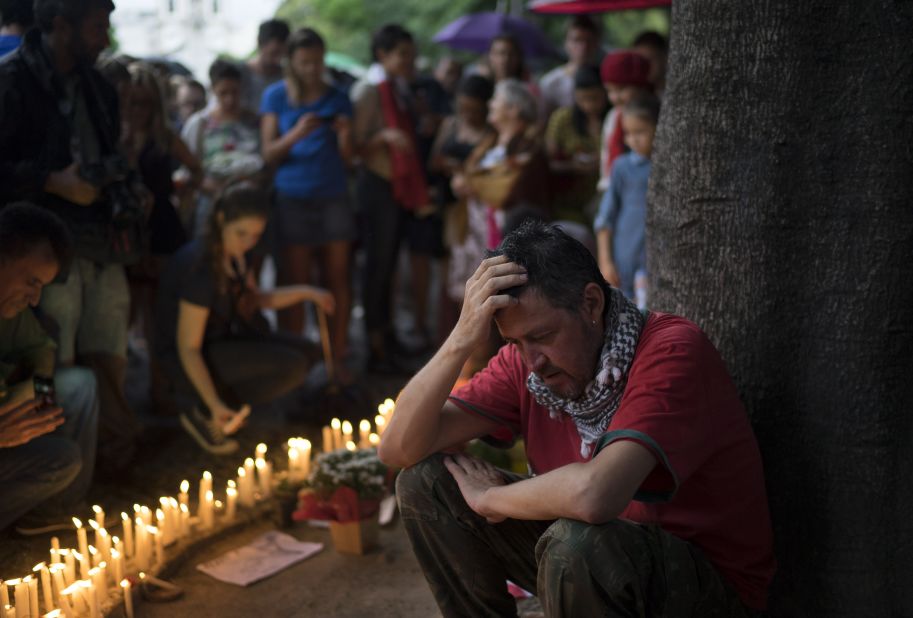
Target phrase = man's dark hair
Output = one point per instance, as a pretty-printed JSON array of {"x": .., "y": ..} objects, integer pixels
[
  {"x": 272, "y": 30},
  {"x": 477, "y": 87},
  {"x": 584, "y": 22},
  {"x": 558, "y": 267},
  {"x": 651, "y": 38},
  {"x": 387, "y": 38},
  {"x": 74, "y": 11},
  {"x": 24, "y": 226},
  {"x": 223, "y": 69},
  {"x": 17, "y": 12},
  {"x": 305, "y": 38}
]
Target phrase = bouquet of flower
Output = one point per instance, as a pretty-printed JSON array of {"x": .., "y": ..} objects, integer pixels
[{"x": 344, "y": 486}]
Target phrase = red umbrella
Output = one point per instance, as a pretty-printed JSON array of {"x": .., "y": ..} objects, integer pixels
[{"x": 574, "y": 7}]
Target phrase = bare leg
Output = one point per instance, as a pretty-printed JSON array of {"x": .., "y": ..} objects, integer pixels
[
  {"x": 337, "y": 277},
  {"x": 294, "y": 270}
]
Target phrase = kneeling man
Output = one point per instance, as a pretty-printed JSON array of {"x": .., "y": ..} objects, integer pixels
[{"x": 647, "y": 492}]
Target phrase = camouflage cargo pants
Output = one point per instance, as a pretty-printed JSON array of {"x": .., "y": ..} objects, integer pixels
[{"x": 576, "y": 569}]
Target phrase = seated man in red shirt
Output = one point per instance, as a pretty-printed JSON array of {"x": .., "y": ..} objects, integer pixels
[{"x": 647, "y": 496}]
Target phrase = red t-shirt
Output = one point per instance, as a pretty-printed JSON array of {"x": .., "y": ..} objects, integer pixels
[{"x": 681, "y": 404}]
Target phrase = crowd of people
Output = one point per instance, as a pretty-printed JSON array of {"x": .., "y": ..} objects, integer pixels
[{"x": 137, "y": 206}]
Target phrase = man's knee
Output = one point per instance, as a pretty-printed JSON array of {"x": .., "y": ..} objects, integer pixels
[
  {"x": 60, "y": 465},
  {"x": 572, "y": 549},
  {"x": 77, "y": 390},
  {"x": 414, "y": 488}
]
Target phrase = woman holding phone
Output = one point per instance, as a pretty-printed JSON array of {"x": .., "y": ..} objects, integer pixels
[{"x": 305, "y": 132}]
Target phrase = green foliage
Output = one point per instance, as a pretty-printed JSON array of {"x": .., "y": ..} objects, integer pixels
[{"x": 347, "y": 25}]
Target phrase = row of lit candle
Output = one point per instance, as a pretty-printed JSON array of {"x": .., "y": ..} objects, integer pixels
[{"x": 76, "y": 582}]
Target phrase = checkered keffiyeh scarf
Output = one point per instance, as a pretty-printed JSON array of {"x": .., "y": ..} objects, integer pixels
[{"x": 593, "y": 410}]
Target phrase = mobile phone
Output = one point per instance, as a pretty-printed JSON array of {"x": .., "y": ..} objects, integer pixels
[{"x": 44, "y": 389}]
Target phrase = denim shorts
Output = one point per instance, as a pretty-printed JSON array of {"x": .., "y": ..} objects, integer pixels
[{"x": 314, "y": 221}]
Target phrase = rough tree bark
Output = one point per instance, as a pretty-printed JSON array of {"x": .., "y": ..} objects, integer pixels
[{"x": 781, "y": 221}]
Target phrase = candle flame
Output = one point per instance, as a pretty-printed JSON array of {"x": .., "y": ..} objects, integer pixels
[
  {"x": 97, "y": 509},
  {"x": 92, "y": 550},
  {"x": 231, "y": 491},
  {"x": 364, "y": 425},
  {"x": 293, "y": 453},
  {"x": 115, "y": 554},
  {"x": 207, "y": 475},
  {"x": 217, "y": 504},
  {"x": 125, "y": 583},
  {"x": 306, "y": 444},
  {"x": 350, "y": 445},
  {"x": 249, "y": 462},
  {"x": 389, "y": 403},
  {"x": 13, "y": 582},
  {"x": 232, "y": 484},
  {"x": 242, "y": 472},
  {"x": 159, "y": 514},
  {"x": 374, "y": 439},
  {"x": 77, "y": 523},
  {"x": 261, "y": 450},
  {"x": 346, "y": 427},
  {"x": 115, "y": 540},
  {"x": 39, "y": 566},
  {"x": 380, "y": 421},
  {"x": 209, "y": 495},
  {"x": 185, "y": 486},
  {"x": 335, "y": 423},
  {"x": 124, "y": 516},
  {"x": 94, "y": 525},
  {"x": 184, "y": 509}
]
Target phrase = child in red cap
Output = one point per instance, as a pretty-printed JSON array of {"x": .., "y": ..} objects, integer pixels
[{"x": 625, "y": 75}]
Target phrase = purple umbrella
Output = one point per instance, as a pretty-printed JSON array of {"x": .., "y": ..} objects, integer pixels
[{"x": 475, "y": 31}]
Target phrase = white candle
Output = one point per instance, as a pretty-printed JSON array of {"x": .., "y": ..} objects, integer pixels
[
  {"x": 327, "y": 439},
  {"x": 99, "y": 515},
  {"x": 94, "y": 557},
  {"x": 128, "y": 535},
  {"x": 141, "y": 555},
  {"x": 70, "y": 571},
  {"x": 162, "y": 525},
  {"x": 336, "y": 426},
  {"x": 117, "y": 565},
  {"x": 21, "y": 594},
  {"x": 206, "y": 511},
  {"x": 82, "y": 562},
  {"x": 231, "y": 499},
  {"x": 205, "y": 485},
  {"x": 381, "y": 423},
  {"x": 97, "y": 576},
  {"x": 4, "y": 594},
  {"x": 264, "y": 476},
  {"x": 128, "y": 597},
  {"x": 305, "y": 449},
  {"x": 55, "y": 550},
  {"x": 364, "y": 432},
  {"x": 185, "y": 520},
  {"x": 96, "y": 528},
  {"x": 83, "y": 544},
  {"x": 33, "y": 596},
  {"x": 88, "y": 590},
  {"x": 346, "y": 431},
  {"x": 57, "y": 572},
  {"x": 184, "y": 496},
  {"x": 46, "y": 591},
  {"x": 156, "y": 535},
  {"x": 294, "y": 467}
]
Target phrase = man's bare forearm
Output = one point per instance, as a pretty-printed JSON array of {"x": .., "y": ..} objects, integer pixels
[{"x": 414, "y": 427}]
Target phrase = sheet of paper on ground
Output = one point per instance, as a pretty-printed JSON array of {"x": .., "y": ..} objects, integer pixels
[{"x": 264, "y": 556}]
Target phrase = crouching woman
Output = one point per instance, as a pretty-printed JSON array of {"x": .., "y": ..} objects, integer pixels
[{"x": 213, "y": 342}]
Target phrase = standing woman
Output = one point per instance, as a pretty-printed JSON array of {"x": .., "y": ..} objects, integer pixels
[
  {"x": 305, "y": 132},
  {"x": 212, "y": 339}
]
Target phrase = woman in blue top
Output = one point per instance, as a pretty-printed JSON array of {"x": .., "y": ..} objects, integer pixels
[{"x": 305, "y": 132}]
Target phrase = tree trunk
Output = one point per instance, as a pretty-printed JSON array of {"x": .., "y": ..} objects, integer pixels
[{"x": 781, "y": 221}]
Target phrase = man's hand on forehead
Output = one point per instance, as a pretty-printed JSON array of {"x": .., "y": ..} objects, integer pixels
[{"x": 485, "y": 295}]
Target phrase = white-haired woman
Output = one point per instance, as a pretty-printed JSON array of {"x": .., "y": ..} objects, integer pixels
[{"x": 505, "y": 180}]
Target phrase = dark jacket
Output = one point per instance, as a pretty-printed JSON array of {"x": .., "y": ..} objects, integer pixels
[{"x": 35, "y": 134}]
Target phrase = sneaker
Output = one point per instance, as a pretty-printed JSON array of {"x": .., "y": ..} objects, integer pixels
[
  {"x": 34, "y": 524},
  {"x": 207, "y": 433}
]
